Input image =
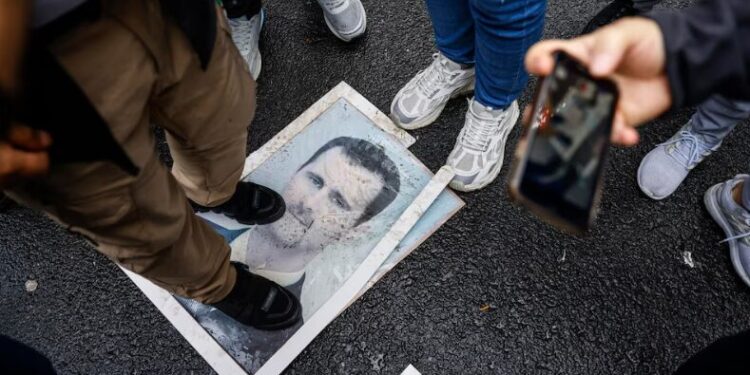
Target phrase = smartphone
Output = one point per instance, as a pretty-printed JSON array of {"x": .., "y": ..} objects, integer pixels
[{"x": 559, "y": 162}]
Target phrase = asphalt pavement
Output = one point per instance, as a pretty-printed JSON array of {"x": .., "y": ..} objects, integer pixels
[{"x": 626, "y": 299}]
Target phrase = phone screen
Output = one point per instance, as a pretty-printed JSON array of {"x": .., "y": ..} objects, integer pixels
[{"x": 567, "y": 142}]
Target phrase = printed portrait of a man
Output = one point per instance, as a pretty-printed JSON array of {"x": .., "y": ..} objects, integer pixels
[{"x": 332, "y": 198}]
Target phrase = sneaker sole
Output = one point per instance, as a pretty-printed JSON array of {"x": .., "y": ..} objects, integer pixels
[
  {"x": 456, "y": 185},
  {"x": 712, "y": 205},
  {"x": 358, "y": 32},
  {"x": 432, "y": 116}
]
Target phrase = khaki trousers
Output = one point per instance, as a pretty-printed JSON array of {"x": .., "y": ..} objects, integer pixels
[{"x": 138, "y": 68}]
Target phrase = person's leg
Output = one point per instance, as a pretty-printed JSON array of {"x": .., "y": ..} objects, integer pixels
[
  {"x": 206, "y": 115},
  {"x": 725, "y": 356},
  {"x": 716, "y": 117},
  {"x": 451, "y": 74},
  {"x": 453, "y": 25},
  {"x": 143, "y": 221},
  {"x": 504, "y": 30},
  {"x": 664, "y": 168}
]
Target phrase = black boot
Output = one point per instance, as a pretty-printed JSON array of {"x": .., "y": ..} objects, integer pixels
[
  {"x": 260, "y": 303},
  {"x": 611, "y": 13},
  {"x": 251, "y": 204}
]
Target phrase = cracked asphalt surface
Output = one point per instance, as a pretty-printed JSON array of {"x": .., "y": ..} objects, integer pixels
[{"x": 621, "y": 300}]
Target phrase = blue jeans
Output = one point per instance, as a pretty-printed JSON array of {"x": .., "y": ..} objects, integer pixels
[{"x": 493, "y": 35}]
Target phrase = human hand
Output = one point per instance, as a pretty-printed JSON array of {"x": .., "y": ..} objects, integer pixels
[
  {"x": 630, "y": 52},
  {"x": 23, "y": 153}
]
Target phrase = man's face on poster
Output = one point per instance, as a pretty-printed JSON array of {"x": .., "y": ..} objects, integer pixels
[{"x": 325, "y": 199}]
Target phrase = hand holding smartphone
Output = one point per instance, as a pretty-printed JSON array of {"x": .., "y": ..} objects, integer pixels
[{"x": 559, "y": 161}]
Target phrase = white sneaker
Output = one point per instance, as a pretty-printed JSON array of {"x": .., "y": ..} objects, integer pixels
[
  {"x": 478, "y": 155},
  {"x": 421, "y": 101},
  {"x": 345, "y": 18},
  {"x": 246, "y": 36}
]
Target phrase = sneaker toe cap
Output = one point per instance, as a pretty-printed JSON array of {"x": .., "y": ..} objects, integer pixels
[
  {"x": 399, "y": 113},
  {"x": 660, "y": 175},
  {"x": 399, "y": 117},
  {"x": 350, "y": 23},
  {"x": 461, "y": 182}
]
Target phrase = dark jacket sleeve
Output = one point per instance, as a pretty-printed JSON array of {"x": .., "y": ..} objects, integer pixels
[{"x": 707, "y": 50}]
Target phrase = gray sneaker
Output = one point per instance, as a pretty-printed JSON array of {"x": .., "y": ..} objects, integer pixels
[
  {"x": 421, "y": 101},
  {"x": 246, "y": 36},
  {"x": 345, "y": 18},
  {"x": 734, "y": 220},
  {"x": 478, "y": 155},
  {"x": 664, "y": 168}
]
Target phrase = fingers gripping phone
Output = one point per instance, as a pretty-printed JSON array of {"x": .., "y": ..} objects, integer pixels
[{"x": 560, "y": 158}]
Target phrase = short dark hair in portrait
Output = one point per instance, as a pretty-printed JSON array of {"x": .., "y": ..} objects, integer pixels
[{"x": 375, "y": 160}]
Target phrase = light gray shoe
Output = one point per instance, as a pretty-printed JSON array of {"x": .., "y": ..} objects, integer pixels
[
  {"x": 246, "y": 36},
  {"x": 345, "y": 18},
  {"x": 421, "y": 101},
  {"x": 734, "y": 220},
  {"x": 478, "y": 155},
  {"x": 664, "y": 168}
]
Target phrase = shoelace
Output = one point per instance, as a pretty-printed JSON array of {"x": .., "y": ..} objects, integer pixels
[
  {"x": 737, "y": 237},
  {"x": 240, "y": 26},
  {"x": 432, "y": 76},
  {"x": 479, "y": 129},
  {"x": 695, "y": 151}
]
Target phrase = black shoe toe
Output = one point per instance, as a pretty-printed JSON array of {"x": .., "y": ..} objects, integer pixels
[
  {"x": 258, "y": 302},
  {"x": 284, "y": 312},
  {"x": 266, "y": 206},
  {"x": 251, "y": 204}
]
